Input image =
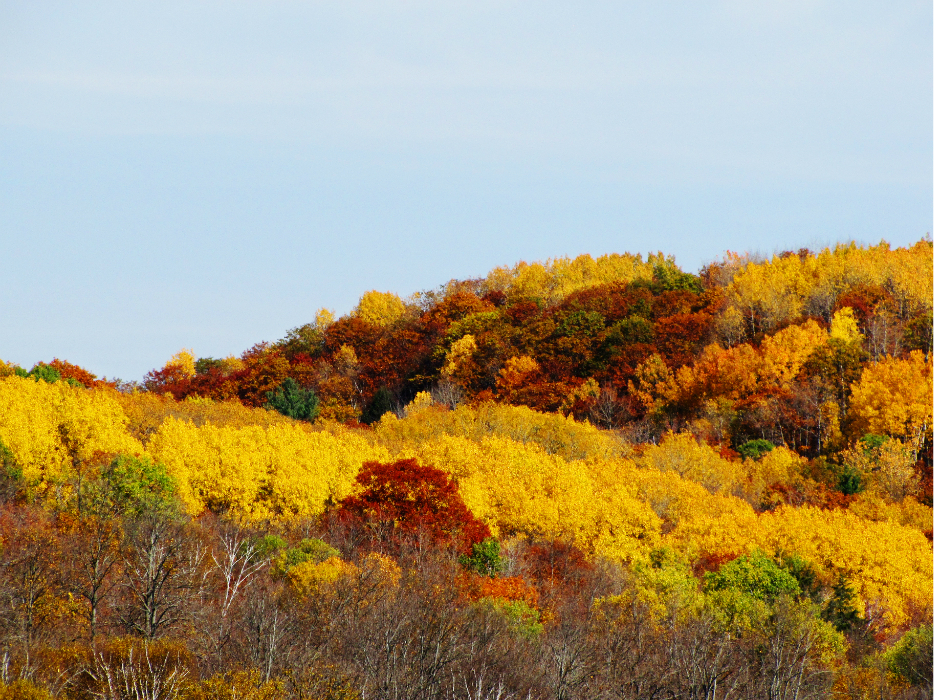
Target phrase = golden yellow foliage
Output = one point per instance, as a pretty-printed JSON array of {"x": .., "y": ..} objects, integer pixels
[
  {"x": 23, "y": 689},
  {"x": 722, "y": 531},
  {"x": 380, "y": 308},
  {"x": 514, "y": 374},
  {"x": 337, "y": 386},
  {"x": 666, "y": 586},
  {"x": 907, "y": 512},
  {"x": 232, "y": 364},
  {"x": 280, "y": 471},
  {"x": 699, "y": 521},
  {"x": 146, "y": 411},
  {"x": 555, "y": 279},
  {"x": 519, "y": 488},
  {"x": 380, "y": 570},
  {"x": 770, "y": 292},
  {"x": 778, "y": 290},
  {"x": 730, "y": 326},
  {"x": 667, "y": 494},
  {"x": 519, "y": 366},
  {"x": 375, "y": 572},
  {"x": 339, "y": 406},
  {"x": 690, "y": 459},
  {"x": 317, "y": 578},
  {"x": 893, "y": 397},
  {"x": 462, "y": 350},
  {"x": 888, "y": 470},
  {"x": 866, "y": 683},
  {"x": 184, "y": 360},
  {"x": 7, "y": 369},
  {"x": 346, "y": 362},
  {"x": 51, "y": 427},
  {"x": 421, "y": 402},
  {"x": 888, "y": 564},
  {"x": 844, "y": 326},
  {"x": 655, "y": 385},
  {"x": 731, "y": 374},
  {"x": 783, "y": 354},
  {"x": 323, "y": 318},
  {"x": 779, "y": 466},
  {"x": 235, "y": 685},
  {"x": 554, "y": 433},
  {"x": 587, "y": 391}
]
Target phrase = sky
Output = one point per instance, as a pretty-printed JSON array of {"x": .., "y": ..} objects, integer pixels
[{"x": 188, "y": 173}]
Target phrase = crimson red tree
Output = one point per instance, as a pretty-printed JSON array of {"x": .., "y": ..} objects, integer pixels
[{"x": 404, "y": 500}]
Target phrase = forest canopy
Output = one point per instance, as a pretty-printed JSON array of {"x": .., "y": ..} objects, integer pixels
[{"x": 600, "y": 478}]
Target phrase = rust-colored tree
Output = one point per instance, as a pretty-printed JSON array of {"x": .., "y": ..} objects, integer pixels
[
  {"x": 69, "y": 371},
  {"x": 404, "y": 501}
]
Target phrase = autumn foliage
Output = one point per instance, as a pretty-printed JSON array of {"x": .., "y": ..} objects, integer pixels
[
  {"x": 601, "y": 478},
  {"x": 406, "y": 501}
]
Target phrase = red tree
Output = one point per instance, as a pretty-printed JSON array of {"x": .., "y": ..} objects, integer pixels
[
  {"x": 404, "y": 500},
  {"x": 69, "y": 371}
]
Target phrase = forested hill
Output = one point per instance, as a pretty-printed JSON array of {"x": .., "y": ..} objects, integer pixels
[
  {"x": 590, "y": 478},
  {"x": 749, "y": 349}
]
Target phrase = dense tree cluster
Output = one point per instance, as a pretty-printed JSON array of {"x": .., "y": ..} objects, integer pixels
[
  {"x": 579, "y": 479},
  {"x": 747, "y": 350}
]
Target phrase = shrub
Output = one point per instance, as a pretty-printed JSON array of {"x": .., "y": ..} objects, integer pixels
[
  {"x": 755, "y": 449},
  {"x": 485, "y": 558}
]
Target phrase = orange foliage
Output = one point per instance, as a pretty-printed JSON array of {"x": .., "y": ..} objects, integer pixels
[
  {"x": 509, "y": 588},
  {"x": 79, "y": 374}
]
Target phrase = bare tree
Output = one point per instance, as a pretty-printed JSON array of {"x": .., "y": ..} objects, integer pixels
[
  {"x": 884, "y": 334},
  {"x": 29, "y": 588},
  {"x": 406, "y": 644},
  {"x": 266, "y": 627},
  {"x": 234, "y": 563},
  {"x": 705, "y": 661},
  {"x": 163, "y": 573},
  {"x": 140, "y": 675},
  {"x": 608, "y": 411},
  {"x": 788, "y": 665},
  {"x": 447, "y": 393},
  {"x": 91, "y": 565}
]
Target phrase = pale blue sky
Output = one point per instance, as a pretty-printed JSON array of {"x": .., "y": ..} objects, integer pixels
[{"x": 207, "y": 174}]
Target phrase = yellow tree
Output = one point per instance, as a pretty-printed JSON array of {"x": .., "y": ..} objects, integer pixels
[
  {"x": 770, "y": 292},
  {"x": 893, "y": 397},
  {"x": 280, "y": 471},
  {"x": 889, "y": 565},
  {"x": 52, "y": 429},
  {"x": 690, "y": 459},
  {"x": 555, "y": 279},
  {"x": 514, "y": 376},
  {"x": 844, "y": 327},
  {"x": 781, "y": 289},
  {"x": 380, "y": 308},
  {"x": 887, "y": 468},
  {"x": 518, "y": 488},
  {"x": 184, "y": 361},
  {"x": 784, "y": 354}
]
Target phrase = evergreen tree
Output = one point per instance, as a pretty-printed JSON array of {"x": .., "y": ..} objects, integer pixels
[
  {"x": 381, "y": 403},
  {"x": 291, "y": 400}
]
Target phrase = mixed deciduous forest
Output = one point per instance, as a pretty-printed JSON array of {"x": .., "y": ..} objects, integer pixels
[{"x": 584, "y": 478}]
